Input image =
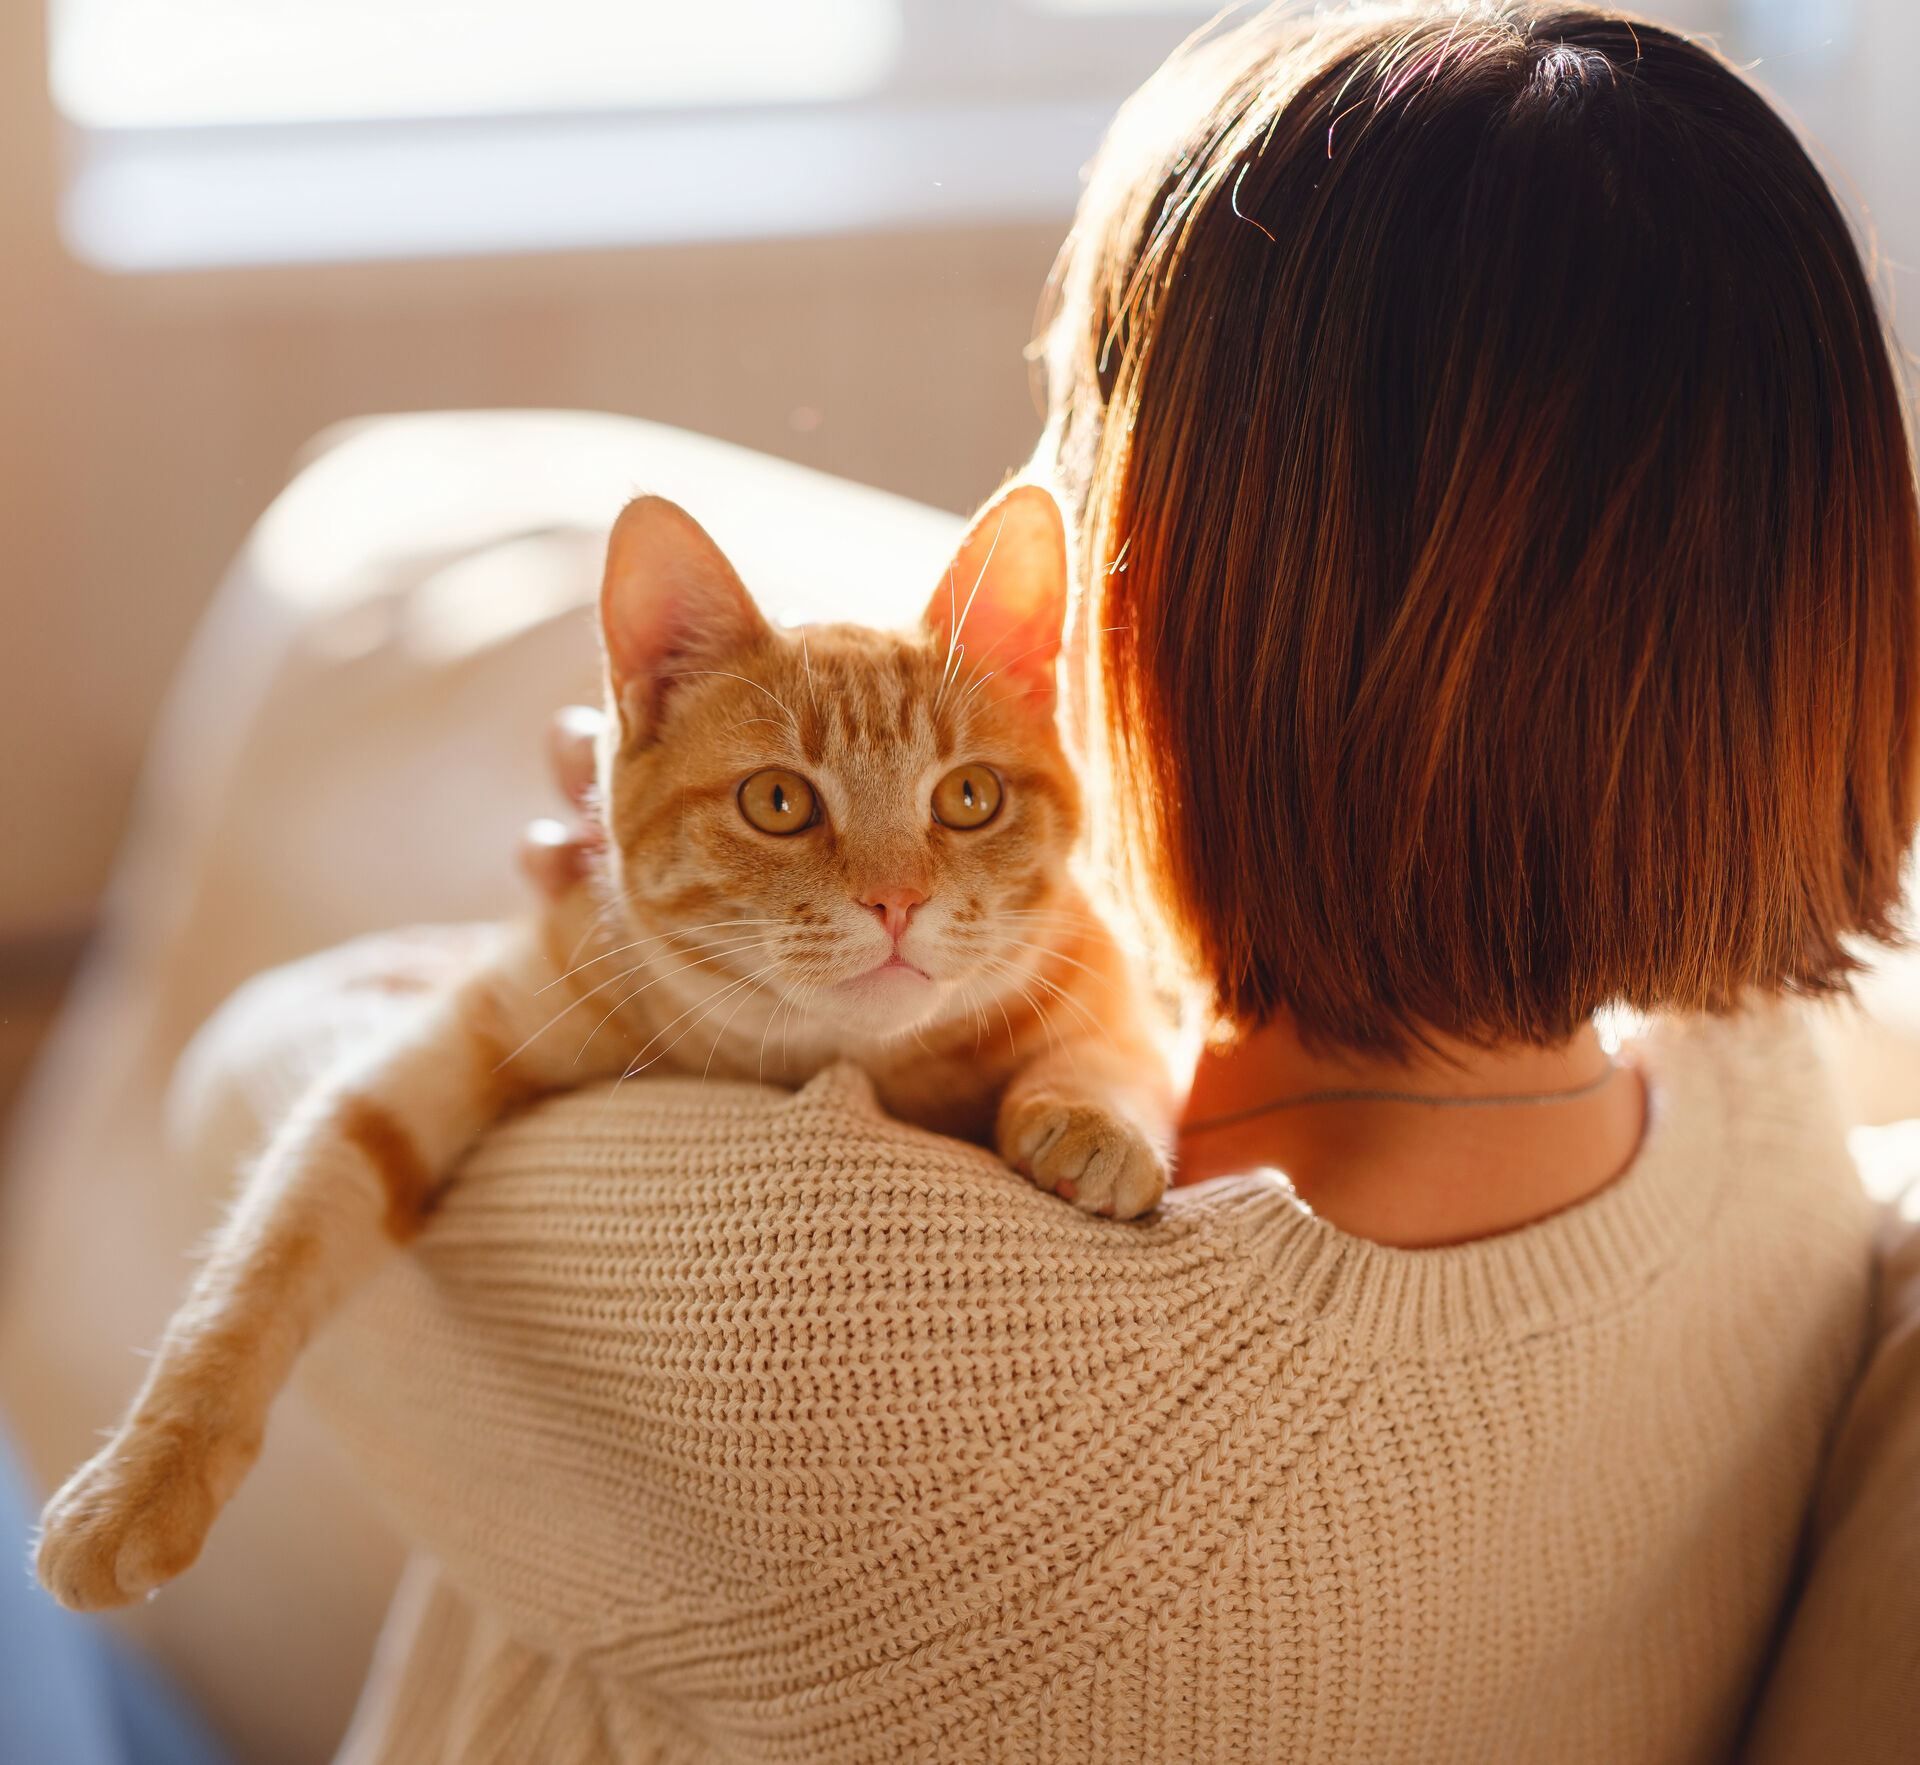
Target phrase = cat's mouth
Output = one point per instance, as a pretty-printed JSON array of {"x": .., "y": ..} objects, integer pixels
[{"x": 896, "y": 964}]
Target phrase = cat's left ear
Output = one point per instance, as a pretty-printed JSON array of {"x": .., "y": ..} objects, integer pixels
[
  {"x": 671, "y": 606},
  {"x": 1003, "y": 600}
]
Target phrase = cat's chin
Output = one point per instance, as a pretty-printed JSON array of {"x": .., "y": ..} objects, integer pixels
[{"x": 885, "y": 1001}]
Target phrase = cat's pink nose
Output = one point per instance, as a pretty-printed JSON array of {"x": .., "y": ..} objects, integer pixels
[{"x": 894, "y": 906}]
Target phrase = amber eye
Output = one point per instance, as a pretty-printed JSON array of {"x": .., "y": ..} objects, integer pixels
[
  {"x": 969, "y": 796},
  {"x": 777, "y": 801}
]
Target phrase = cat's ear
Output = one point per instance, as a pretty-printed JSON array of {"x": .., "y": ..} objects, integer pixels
[
  {"x": 670, "y": 606},
  {"x": 1003, "y": 600}
]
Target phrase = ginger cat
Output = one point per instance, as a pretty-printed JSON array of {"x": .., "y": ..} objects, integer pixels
[{"x": 835, "y": 844}]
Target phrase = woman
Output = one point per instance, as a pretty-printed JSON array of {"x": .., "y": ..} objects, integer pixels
[{"x": 1496, "y": 543}]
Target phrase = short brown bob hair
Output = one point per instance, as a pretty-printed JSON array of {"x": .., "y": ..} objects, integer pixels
[{"x": 1496, "y": 529}]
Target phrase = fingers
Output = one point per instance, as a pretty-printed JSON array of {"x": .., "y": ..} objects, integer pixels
[
  {"x": 570, "y": 750},
  {"x": 554, "y": 856}
]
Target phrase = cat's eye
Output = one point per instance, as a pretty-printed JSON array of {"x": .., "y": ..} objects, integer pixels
[
  {"x": 778, "y": 801},
  {"x": 969, "y": 796}
]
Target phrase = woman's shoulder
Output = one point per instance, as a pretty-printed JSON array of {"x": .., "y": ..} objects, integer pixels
[
  {"x": 1745, "y": 1106},
  {"x": 820, "y": 1191},
  {"x": 1744, "y": 1163}
]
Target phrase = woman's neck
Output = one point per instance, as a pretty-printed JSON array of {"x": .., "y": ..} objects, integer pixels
[{"x": 1415, "y": 1174}]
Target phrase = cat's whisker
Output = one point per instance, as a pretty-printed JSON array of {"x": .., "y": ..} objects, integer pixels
[
  {"x": 708, "y": 950},
  {"x": 1040, "y": 1013},
  {"x": 1050, "y": 953},
  {"x": 596, "y": 921},
  {"x": 724, "y": 932},
  {"x": 1010, "y": 662},
  {"x": 773, "y": 1017},
  {"x": 958, "y": 625},
  {"x": 783, "y": 1010},
  {"x": 711, "y": 1005},
  {"x": 580, "y": 968},
  {"x": 1072, "y": 1004},
  {"x": 789, "y": 1009},
  {"x": 718, "y": 949},
  {"x": 1054, "y": 927},
  {"x": 621, "y": 1004},
  {"x": 641, "y": 943},
  {"x": 967, "y": 672},
  {"x": 972, "y": 1010},
  {"x": 1056, "y": 1042},
  {"x": 703, "y": 1005},
  {"x": 572, "y": 1004},
  {"x": 797, "y": 994},
  {"x": 806, "y": 662},
  {"x": 956, "y": 652},
  {"x": 1071, "y": 916},
  {"x": 720, "y": 1035},
  {"x": 953, "y": 639},
  {"x": 724, "y": 674},
  {"x": 639, "y": 1064},
  {"x": 1028, "y": 979},
  {"x": 995, "y": 965},
  {"x": 1013, "y": 1043},
  {"x": 1106, "y": 980}
]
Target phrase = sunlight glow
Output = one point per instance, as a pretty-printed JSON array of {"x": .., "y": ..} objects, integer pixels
[{"x": 157, "y": 64}]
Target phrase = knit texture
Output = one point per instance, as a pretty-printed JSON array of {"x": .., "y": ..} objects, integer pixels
[{"x": 740, "y": 1425}]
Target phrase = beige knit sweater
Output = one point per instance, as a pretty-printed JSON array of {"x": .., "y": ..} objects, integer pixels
[{"x": 746, "y": 1426}]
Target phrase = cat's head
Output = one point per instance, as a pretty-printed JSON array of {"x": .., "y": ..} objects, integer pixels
[{"x": 868, "y": 830}]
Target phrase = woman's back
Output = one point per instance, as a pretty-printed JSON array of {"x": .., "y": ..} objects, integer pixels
[{"x": 873, "y": 1453}]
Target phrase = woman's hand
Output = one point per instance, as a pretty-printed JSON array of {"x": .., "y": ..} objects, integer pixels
[{"x": 555, "y": 853}]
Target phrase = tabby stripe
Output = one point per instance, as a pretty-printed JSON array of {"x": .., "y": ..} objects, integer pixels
[
  {"x": 386, "y": 1145},
  {"x": 677, "y": 804},
  {"x": 810, "y": 730}
]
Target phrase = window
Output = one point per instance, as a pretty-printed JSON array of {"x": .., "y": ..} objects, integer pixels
[
  {"x": 219, "y": 132},
  {"x": 132, "y": 64}
]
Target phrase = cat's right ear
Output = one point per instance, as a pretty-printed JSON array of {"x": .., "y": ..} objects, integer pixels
[
  {"x": 670, "y": 606},
  {"x": 1004, "y": 597}
]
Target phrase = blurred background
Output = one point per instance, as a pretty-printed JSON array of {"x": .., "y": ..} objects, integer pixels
[{"x": 816, "y": 227}]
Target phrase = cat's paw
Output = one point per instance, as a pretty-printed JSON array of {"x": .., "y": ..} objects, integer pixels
[
  {"x": 134, "y": 1515},
  {"x": 1099, "y": 1160}
]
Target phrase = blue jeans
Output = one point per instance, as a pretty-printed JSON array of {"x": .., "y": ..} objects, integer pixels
[{"x": 71, "y": 1693}]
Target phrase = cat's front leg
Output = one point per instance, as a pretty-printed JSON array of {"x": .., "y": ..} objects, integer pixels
[
  {"x": 312, "y": 1223},
  {"x": 1091, "y": 1122},
  {"x": 350, "y": 1176}
]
